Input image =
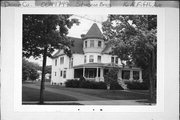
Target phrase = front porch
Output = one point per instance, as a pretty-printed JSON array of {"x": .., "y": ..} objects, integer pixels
[{"x": 96, "y": 72}]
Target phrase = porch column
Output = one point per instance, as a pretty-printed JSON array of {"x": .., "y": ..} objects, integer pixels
[
  {"x": 84, "y": 72},
  {"x": 131, "y": 75},
  {"x": 140, "y": 76},
  {"x": 101, "y": 74},
  {"x": 97, "y": 74}
]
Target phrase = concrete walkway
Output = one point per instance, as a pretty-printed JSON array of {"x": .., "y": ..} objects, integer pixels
[{"x": 83, "y": 98}]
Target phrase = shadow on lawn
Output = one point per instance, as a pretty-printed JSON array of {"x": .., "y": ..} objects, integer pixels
[{"x": 52, "y": 104}]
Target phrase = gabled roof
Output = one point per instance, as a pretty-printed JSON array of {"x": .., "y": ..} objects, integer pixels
[
  {"x": 76, "y": 48},
  {"x": 94, "y": 32}
]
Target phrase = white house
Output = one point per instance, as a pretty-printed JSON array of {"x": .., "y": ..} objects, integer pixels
[{"x": 91, "y": 59}]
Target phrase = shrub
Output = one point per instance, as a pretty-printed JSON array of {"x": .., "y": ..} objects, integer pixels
[
  {"x": 85, "y": 84},
  {"x": 72, "y": 83},
  {"x": 137, "y": 85},
  {"x": 115, "y": 86}
]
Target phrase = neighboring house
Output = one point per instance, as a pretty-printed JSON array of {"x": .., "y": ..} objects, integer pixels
[
  {"x": 47, "y": 76},
  {"x": 91, "y": 59}
]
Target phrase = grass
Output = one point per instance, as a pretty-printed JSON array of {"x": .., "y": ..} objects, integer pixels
[
  {"x": 111, "y": 94},
  {"x": 29, "y": 94}
]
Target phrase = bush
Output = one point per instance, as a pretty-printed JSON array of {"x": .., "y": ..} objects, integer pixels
[
  {"x": 85, "y": 84},
  {"x": 115, "y": 86},
  {"x": 72, "y": 83},
  {"x": 137, "y": 85}
]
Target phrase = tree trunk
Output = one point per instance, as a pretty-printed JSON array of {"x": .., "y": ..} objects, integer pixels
[
  {"x": 152, "y": 78},
  {"x": 41, "y": 101}
]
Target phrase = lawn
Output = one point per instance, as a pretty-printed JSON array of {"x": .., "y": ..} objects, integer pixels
[
  {"x": 111, "y": 94},
  {"x": 29, "y": 94}
]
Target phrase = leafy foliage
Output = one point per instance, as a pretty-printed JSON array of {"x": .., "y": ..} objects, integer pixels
[
  {"x": 85, "y": 84},
  {"x": 111, "y": 79},
  {"x": 134, "y": 40},
  {"x": 29, "y": 70},
  {"x": 133, "y": 37},
  {"x": 49, "y": 31}
]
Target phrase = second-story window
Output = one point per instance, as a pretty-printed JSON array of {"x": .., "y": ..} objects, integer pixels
[
  {"x": 99, "y": 59},
  {"x": 85, "y": 59},
  {"x": 99, "y": 43},
  {"x": 91, "y": 43},
  {"x": 91, "y": 58},
  {"x": 55, "y": 62},
  {"x": 62, "y": 60},
  {"x": 112, "y": 59},
  {"x": 116, "y": 60},
  {"x": 85, "y": 44}
]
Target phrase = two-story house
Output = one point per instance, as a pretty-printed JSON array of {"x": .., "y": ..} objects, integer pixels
[{"x": 91, "y": 59}]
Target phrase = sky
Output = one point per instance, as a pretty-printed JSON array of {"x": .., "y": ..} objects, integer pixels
[{"x": 86, "y": 22}]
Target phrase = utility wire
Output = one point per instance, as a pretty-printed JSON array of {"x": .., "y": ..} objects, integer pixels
[{"x": 88, "y": 19}]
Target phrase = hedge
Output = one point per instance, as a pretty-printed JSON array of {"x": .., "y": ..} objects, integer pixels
[
  {"x": 85, "y": 84},
  {"x": 91, "y": 84},
  {"x": 137, "y": 85}
]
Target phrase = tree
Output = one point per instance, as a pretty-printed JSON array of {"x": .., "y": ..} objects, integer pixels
[
  {"x": 134, "y": 40},
  {"x": 111, "y": 78},
  {"x": 29, "y": 70},
  {"x": 42, "y": 34}
]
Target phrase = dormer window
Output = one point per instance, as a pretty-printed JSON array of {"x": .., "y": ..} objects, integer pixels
[
  {"x": 99, "y": 43},
  {"x": 91, "y": 43}
]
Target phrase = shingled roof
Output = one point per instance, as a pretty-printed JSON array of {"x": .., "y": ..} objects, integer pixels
[
  {"x": 94, "y": 32},
  {"x": 76, "y": 48}
]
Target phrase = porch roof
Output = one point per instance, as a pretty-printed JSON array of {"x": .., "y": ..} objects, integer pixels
[
  {"x": 95, "y": 65},
  {"x": 105, "y": 65}
]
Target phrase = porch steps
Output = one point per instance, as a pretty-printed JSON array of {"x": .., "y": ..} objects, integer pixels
[{"x": 122, "y": 84}]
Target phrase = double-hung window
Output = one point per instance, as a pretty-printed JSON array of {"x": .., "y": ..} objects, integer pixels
[
  {"x": 91, "y": 58},
  {"x": 62, "y": 60},
  {"x": 91, "y": 43},
  {"x": 99, "y": 59}
]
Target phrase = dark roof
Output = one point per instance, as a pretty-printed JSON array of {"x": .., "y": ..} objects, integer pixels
[
  {"x": 94, "y": 32},
  {"x": 92, "y": 65},
  {"x": 76, "y": 48}
]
